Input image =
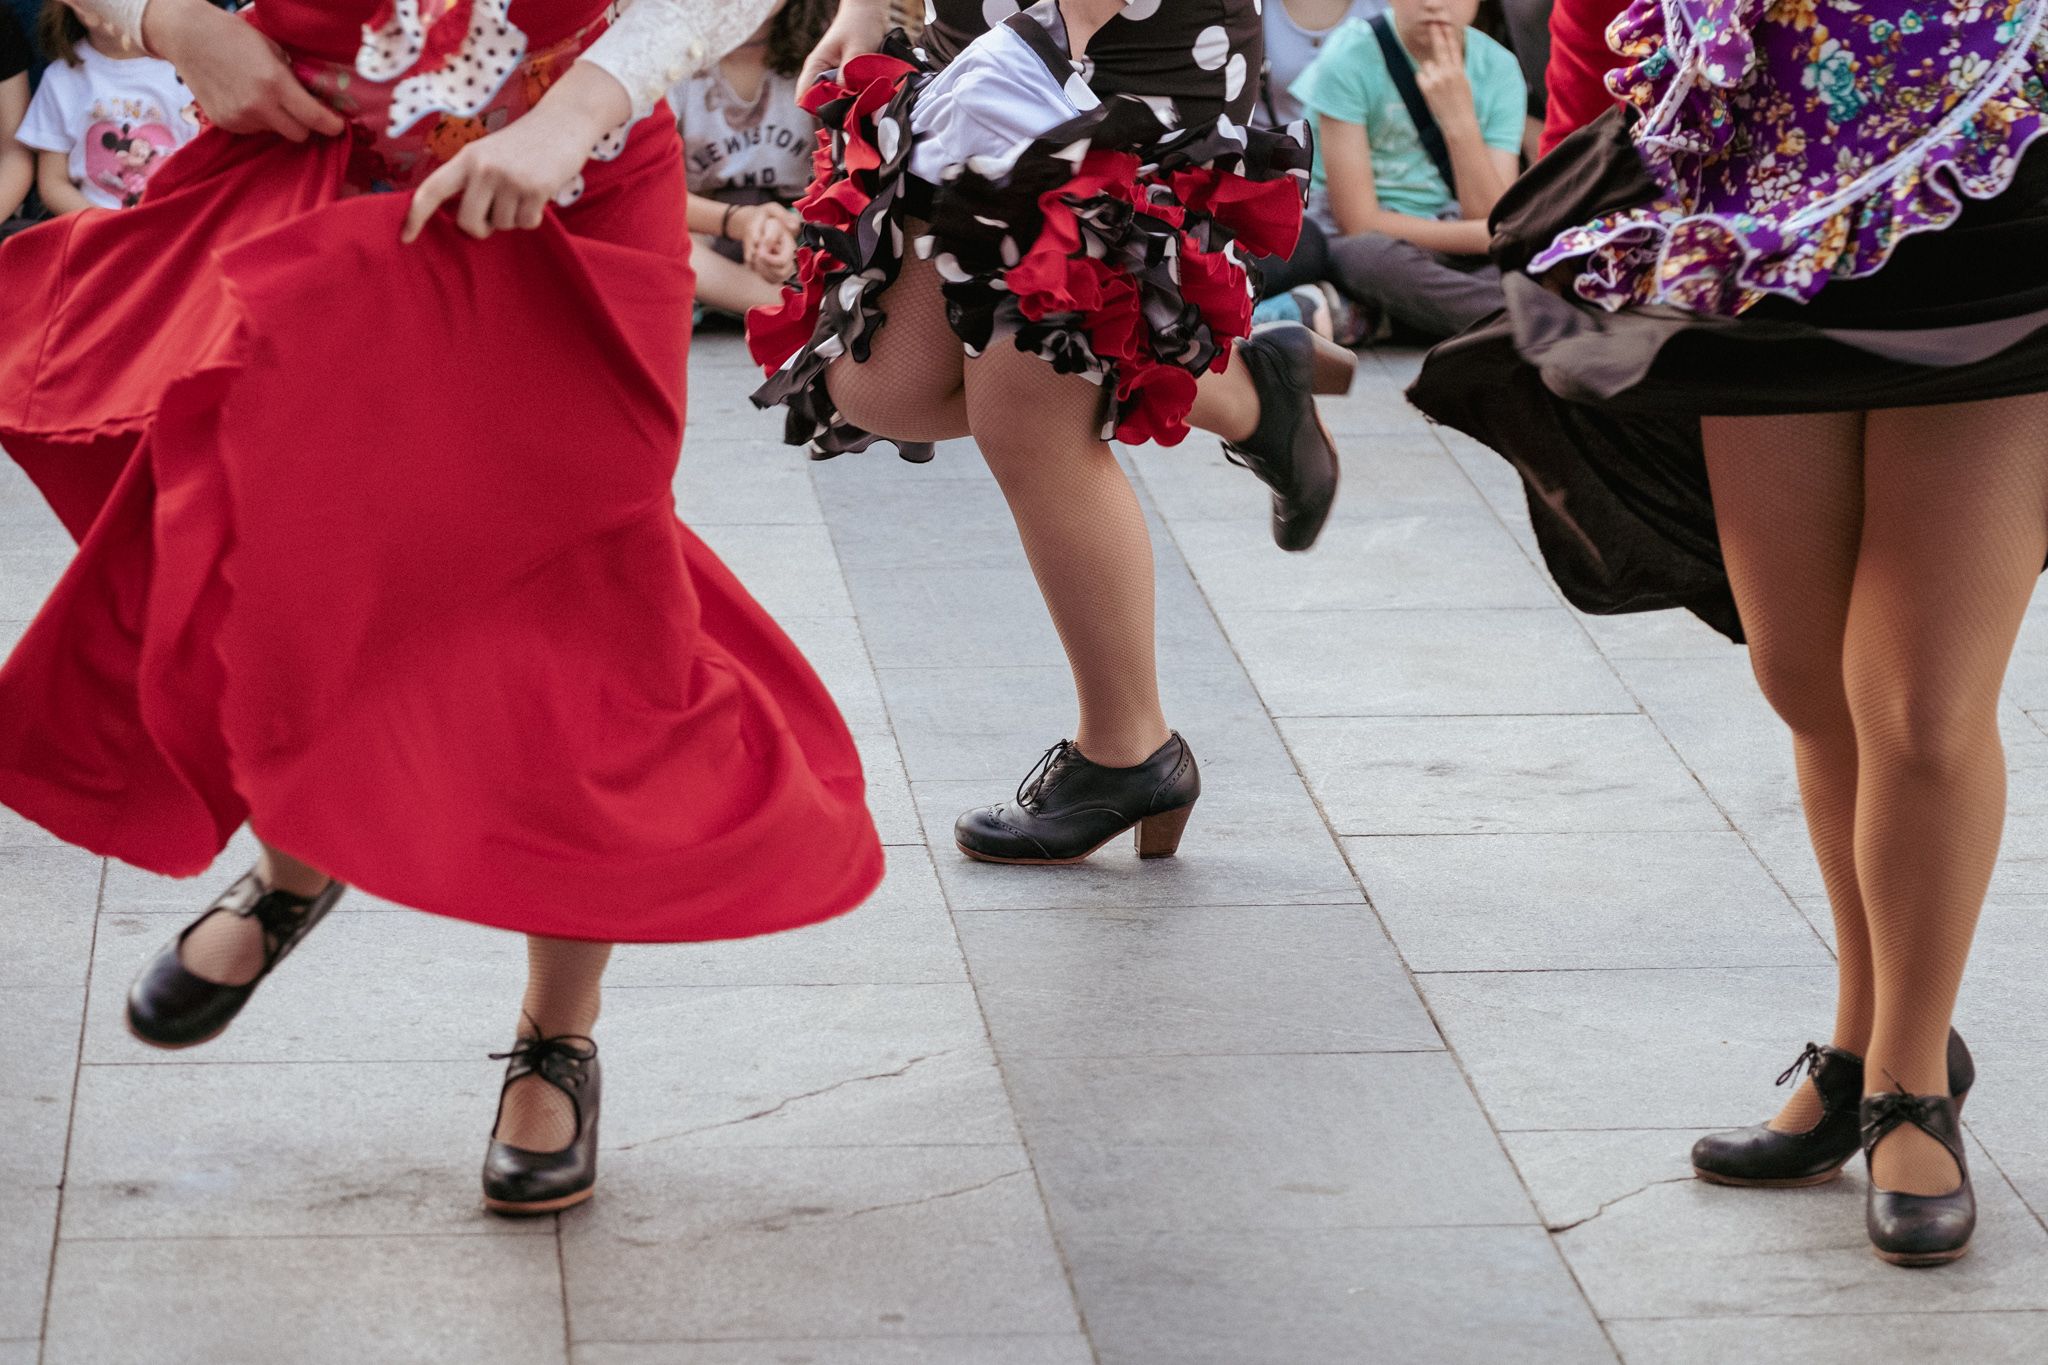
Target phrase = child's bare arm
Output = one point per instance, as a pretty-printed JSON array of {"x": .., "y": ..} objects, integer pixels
[
  {"x": 17, "y": 163},
  {"x": 53, "y": 179},
  {"x": 1347, "y": 160}
]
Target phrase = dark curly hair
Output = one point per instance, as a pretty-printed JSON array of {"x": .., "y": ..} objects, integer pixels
[{"x": 796, "y": 28}]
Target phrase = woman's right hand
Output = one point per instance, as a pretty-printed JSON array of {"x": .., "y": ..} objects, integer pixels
[
  {"x": 239, "y": 77},
  {"x": 857, "y": 29}
]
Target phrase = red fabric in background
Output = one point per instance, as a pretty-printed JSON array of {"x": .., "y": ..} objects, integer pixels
[
  {"x": 1575, "y": 81},
  {"x": 380, "y": 554}
]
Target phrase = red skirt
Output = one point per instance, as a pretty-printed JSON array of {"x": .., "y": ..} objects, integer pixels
[{"x": 379, "y": 554}]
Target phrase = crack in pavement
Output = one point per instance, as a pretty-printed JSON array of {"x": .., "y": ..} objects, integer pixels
[
  {"x": 777, "y": 1224},
  {"x": 1580, "y": 1222},
  {"x": 781, "y": 1105}
]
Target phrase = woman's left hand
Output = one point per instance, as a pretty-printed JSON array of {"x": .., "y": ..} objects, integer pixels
[{"x": 507, "y": 179}]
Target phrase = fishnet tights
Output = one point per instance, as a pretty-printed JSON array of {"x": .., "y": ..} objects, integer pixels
[
  {"x": 228, "y": 949},
  {"x": 562, "y": 996},
  {"x": 563, "y": 978},
  {"x": 1883, "y": 563},
  {"x": 1079, "y": 518}
]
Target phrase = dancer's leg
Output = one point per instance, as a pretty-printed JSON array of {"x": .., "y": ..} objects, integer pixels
[
  {"x": 563, "y": 978},
  {"x": 909, "y": 387},
  {"x": 228, "y": 949},
  {"x": 1788, "y": 500},
  {"x": 1226, "y": 403},
  {"x": 1955, "y": 531},
  {"x": 1085, "y": 535}
]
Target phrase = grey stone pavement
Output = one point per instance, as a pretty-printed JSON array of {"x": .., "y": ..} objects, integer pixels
[{"x": 1488, "y": 910}]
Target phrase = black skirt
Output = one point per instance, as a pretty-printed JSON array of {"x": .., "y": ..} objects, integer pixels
[{"x": 1600, "y": 411}]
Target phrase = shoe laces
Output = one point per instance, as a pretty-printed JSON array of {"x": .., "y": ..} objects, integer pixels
[
  {"x": 279, "y": 913},
  {"x": 1808, "y": 1061},
  {"x": 562, "y": 1060},
  {"x": 1889, "y": 1109},
  {"x": 1044, "y": 772}
]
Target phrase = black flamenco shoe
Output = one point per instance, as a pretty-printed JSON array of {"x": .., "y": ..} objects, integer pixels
[
  {"x": 1291, "y": 451},
  {"x": 519, "y": 1183},
  {"x": 1917, "y": 1229},
  {"x": 1761, "y": 1157},
  {"x": 169, "y": 1007},
  {"x": 1067, "y": 807}
]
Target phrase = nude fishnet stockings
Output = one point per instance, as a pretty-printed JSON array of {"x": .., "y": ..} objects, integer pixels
[
  {"x": 563, "y": 980},
  {"x": 1085, "y": 536},
  {"x": 1947, "y": 545},
  {"x": 227, "y": 949}
]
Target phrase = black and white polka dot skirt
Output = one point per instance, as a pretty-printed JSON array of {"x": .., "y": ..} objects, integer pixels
[{"x": 1108, "y": 244}]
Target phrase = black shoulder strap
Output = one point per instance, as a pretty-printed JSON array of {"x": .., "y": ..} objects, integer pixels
[{"x": 1403, "y": 72}]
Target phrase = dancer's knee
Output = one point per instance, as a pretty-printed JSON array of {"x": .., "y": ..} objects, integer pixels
[
  {"x": 1927, "y": 730},
  {"x": 1804, "y": 685}
]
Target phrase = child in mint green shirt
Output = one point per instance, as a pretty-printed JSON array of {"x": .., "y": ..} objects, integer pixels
[{"x": 1406, "y": 242}]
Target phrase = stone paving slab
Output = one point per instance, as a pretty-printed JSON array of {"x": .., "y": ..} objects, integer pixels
[
  {"x": 720, "y": 1242},
  {"x": 1190, "y": 980},
  {"x": 1544, "y": 902},
  {"x": 307, "y": 1300},
  {"x": 970, "y": 1350},
  {"x": 1798, "y": 1339},
  {"x": 1447, "y": 1296},
  {"x": 1497, "y": 775},
  {"x": 1160, "y": 1144}
]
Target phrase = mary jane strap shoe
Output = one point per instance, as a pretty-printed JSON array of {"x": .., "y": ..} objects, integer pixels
[
  {"x": 1917, "y": 1229},
  {"x": 521, "y": 1183},
  {"x": 170, "y": 1007},
  {"x": 1761, "y": 1157},
  {"x": 1069, "y": 806}
]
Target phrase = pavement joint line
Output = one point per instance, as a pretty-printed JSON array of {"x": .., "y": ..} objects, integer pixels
[
  {"x": 57, "y": 1238},
  {"x": 1646, "y": 967}
]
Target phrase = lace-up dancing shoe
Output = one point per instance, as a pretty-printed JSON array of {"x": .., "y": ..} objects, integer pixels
[
  {"x": 1067, "y": 807},
  {"x": 1917, "y": 1229},
  {"x": 1291, "y": 451},
  {"x": 519, "y": 1183},
  {"x": 170, "y": 1007},
  {"x": 1760, "y": 1156}
]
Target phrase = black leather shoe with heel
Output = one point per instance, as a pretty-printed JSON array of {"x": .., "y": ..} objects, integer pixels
[
  {"x": 1291, "y": 451},
  {"x": 1917, "y": 1229},
  {"x": 170, "y": 1007},
  {"x": 1760, "y": 1156},
  {"x": 1067, "y": 807},
  {"x": 520, "y": 1183}
]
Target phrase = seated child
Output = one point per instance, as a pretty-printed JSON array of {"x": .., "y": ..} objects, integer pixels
[
  {"x": 105, "y": 118},
  {"x": 1407, "y": 219},
  {"x": 17, "y": 163},
  {"x": 747, "y": 151}
]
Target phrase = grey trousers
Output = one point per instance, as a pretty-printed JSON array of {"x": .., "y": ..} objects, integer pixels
[{"x": 1421, "y": 291}]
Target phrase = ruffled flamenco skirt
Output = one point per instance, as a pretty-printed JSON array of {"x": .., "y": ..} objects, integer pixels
[
  {"x": 1109, "y": 245},
  {"x": 378, "y": 552},
  {"x": 1599, "y": 411}
]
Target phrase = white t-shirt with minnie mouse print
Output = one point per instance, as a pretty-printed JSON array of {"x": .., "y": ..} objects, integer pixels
[{"x": 118, "y": 121}]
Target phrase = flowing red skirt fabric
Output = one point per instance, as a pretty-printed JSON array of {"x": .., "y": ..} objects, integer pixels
[{"x": 379, "y": 554}]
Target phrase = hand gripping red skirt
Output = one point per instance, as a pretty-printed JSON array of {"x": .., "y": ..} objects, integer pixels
[{"x": 379, "y": 554}]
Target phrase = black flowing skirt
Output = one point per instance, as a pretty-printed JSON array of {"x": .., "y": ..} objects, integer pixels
[{"x": 1600, "y": 411}]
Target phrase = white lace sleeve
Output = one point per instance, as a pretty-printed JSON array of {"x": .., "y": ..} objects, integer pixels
[
  {"x": 655, "y": 43},
  {"x": 123, "y": 16}
]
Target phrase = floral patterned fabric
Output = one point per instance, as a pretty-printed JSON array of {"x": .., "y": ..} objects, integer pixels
[{"x": 1798, "y": 141}]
